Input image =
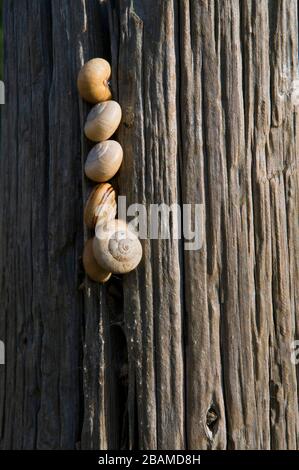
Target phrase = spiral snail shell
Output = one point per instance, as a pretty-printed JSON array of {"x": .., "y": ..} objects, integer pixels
[
  {"x": 100, "y": 206},
  {"x": 103, "y": 161},
  {"x": 93, "y": 81},
  {"x": 92, "y": 269},
  {"x": 102, "y": 121},
  {"x": 116, "y": 248}
]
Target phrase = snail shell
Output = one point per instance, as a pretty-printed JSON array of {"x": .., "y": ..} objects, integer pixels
[
  {"x": 100, "y": 206},
  {"x": 93, "y": 81},
  {"x": 103, "y": 161},
  {"x": 92, "y": 269},
  {"x": 116, "y": 248},
  {"x": 102, "y": 121}
]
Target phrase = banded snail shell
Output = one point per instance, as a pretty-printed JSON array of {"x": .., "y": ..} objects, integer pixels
[
  {"x": 93, "y": 79},
  {"x": 100, "y": 206},
  {"x": 117, "y": 248},
  {"x": 91, "y": 267},
  {"x": 103, "y": 161},
  {"x": 102, "y": 121}
]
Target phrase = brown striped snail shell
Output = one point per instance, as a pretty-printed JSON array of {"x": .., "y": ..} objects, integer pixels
[
  {"x": 116, "y": 248},
  {"x": 91, "y": 267},
  {"x": 102, "y": 121},
  {"x": 103, "y": 161},
  {"x": 93, "y": 79},
  {"x": 100, "y": 206}
]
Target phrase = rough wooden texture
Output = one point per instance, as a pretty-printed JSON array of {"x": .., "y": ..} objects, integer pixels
[
  {"x": 50, "y": 394},
  {"x": 193, "y": 349}
]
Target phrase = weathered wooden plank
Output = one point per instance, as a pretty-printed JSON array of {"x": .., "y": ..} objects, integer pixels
[
  {"x": 23, "y": 240},
  {"x": 201, "y": 168},
  {"x": 43, "y": 190},
  {"x": 152, "y": 295},
  {"x": 192, "y": 350},
  {"x": 282, "y": 171},
  {"x": 229, "y": 57}
]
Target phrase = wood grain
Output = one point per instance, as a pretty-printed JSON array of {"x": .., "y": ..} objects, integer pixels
[{"x": 193, "y": 349}]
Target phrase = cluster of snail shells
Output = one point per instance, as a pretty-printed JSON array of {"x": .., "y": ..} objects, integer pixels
[{"x": 114, "y": 248}]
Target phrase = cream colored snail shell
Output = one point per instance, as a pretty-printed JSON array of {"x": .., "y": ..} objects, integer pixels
[
  {"x": 93, "y": 81},
  {"x": 91, "y": 267},
  {"x": 103, "y": 161},
  {"x": 100, "y": 206},
  {"x": 116, "y": 248},
  {"x": 102, "y": 121}
]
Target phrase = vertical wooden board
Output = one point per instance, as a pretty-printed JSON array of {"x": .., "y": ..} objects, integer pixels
[
  {"x": 280, "y": 164},
  {"x": 226, "y": 146},
  {"x": 257, "y": 107},
  {"x": 152, "y": 296},
  {"x": 205, "y": 418},
  {"x": 23, "y": 241},
  {"x": 43, "y": 319},
  {"x": 237, "y": 280},
  {"x": 140, "y": 325},
  {"x": 193, "y": 349}
]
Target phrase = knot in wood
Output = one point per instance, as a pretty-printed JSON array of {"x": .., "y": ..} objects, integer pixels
[{"x": 212, "y": 418}]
